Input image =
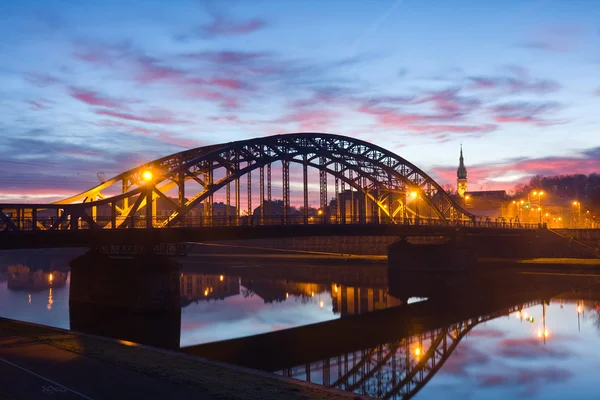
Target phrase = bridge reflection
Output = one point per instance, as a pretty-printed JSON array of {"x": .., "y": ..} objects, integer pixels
[{"x": 396, "y": 369}]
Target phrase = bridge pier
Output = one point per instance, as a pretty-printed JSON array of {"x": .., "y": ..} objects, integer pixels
[{"x": 135, "y": 299}]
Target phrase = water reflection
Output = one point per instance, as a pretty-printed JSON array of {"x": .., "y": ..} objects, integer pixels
[
  {"x": 21, "y": 277},
  {"x": 349, "y": 327},
  {"x": 401, "y": 368}
]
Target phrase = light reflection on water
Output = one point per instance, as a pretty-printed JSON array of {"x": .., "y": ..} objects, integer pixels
[
  {"x": 214, "y": 306},
  {"x": 542, "y": 351}
]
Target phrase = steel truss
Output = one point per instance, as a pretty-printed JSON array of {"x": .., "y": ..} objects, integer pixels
[
  {"x": 395, "y": 370},
  {"x": 374, "y": 173}
]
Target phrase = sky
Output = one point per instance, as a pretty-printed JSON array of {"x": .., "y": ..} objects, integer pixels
[{"x": 104, "y": 86}]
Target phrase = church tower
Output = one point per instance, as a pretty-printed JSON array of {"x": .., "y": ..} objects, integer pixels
[{"x": 461, "y": 174}]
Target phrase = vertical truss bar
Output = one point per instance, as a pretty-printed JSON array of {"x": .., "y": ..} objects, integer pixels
[
  {"x": 124, "y": 188},
  {"x": 305, "y": 186},
  {"x": 366, "y": 200},
  {"x": 208, "y": 203},
  {"x": 351, "y": 177},
  {"x": 34, "y": 218},
  {"x": 337, "y": 194},
  {"x": 113, "y": 215},
  {"x": 238, "y": 210},
  {"x": 323, "y": 189},
  {"x": 270, "y": 208},
  {"x": 249, "y": 194},
  {"x": 286, "y": 189},
  {"x": 181, "y": 188},
  {"x": 228, "y": 196},
  {"x": 262, "y": 195},
  {"x": 307, "y": 370},
  {"x": 149, "y": 214}
]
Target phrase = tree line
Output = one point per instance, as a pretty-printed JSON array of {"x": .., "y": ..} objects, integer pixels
[{"x": 576, "y": 187}]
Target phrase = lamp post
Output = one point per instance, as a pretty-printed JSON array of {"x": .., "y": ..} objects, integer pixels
[
  {"x": 576, "y": 213},
  {"x": 415, "y": 196},
  {"x": 539, "y": 196}
]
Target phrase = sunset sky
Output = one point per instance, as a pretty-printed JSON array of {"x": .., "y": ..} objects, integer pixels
[{"x": 90, "y": 86}]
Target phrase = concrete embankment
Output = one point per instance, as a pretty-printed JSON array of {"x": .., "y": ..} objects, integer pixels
[{"x": 98, "y": 368}]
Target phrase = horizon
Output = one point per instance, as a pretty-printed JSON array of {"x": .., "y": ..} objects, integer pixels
[{"x": 105, "y": 87}]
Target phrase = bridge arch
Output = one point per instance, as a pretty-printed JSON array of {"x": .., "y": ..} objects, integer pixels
[{"x": 384, "y": 178}]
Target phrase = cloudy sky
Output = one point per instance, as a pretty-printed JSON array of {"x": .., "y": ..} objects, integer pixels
[{"x": 90, "y": 86}]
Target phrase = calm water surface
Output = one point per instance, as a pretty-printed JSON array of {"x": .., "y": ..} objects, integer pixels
[{"x": 538, "y": 346}]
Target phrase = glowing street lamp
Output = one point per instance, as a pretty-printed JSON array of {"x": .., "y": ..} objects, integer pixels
[{"x": 147, "y": 176}]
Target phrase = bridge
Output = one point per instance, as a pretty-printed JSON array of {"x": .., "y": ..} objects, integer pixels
[{"x": 371, "y": 186}]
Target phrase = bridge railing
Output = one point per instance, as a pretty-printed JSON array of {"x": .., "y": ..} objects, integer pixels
[{"x": 142, "y": 222}]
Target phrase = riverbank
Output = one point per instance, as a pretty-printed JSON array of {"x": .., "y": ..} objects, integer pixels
[{"x": 34, "y": 358}]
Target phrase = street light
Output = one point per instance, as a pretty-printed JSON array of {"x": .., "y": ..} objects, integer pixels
[
  {"x": 576, "y": 213},
  {"x": 414, "y": 195},
  {"x": 539, "y": 196},
  {"x": 147, "y": 175}
]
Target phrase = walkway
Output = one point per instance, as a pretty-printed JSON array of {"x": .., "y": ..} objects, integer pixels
[{"x": 37, "y": 362}]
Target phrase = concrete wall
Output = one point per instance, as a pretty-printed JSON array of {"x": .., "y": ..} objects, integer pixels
[
  {"x": 371, "y": 245},
  {"x": 591, "y": 237}
]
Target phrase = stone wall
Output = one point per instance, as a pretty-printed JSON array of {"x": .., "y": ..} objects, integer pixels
[{"x": 366, "y": 245}]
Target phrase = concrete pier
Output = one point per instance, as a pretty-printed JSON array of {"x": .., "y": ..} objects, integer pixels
[{"x": 134, "y": 298}]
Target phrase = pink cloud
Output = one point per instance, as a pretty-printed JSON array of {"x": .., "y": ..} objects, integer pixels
[
  {"x": 226, "y": 26},
  {"x": 92, "y": 98},
  {"x": 150, "y": 71},
  {"x": 163, "y": 117},
  {"x": 227, "y": 101}
]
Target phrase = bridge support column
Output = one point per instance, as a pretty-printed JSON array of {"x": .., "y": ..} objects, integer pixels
[{"x": 134, "y": 299}]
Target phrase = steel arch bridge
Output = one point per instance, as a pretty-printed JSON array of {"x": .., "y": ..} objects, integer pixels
[{"x": 382, "y": 188}]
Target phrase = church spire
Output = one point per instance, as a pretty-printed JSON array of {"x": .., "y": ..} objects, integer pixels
[{"x": 461, "y": 174}]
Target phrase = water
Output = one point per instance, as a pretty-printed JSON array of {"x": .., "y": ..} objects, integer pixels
[{"x": 424, "y": 337}]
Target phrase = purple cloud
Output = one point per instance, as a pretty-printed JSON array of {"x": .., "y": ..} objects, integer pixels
[
  {"x": 227, "y": 26},
  {"x": 163, "y": 117},
  {"x": 41, "y": 79},
  {"x": 92, "y": 98},
  {"x": 525, "y": 113},
  {"x": 557, "y": 38},
  {"x": 529, "y": 348},
  {"x": 516, "y": 81}
]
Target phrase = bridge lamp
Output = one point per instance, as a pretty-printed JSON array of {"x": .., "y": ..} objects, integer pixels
[
  {"x": 320, "y": 212},
  {"x": 575, "y": 203},
  {"x": 147, "y": 176},
  {"x": 467, "y": 197},
  {"x": 221, "y": 277},
  {"x": 413, "y": 195},
  {"x": 417, "y": 351}
]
